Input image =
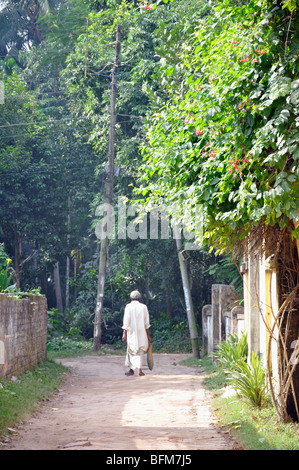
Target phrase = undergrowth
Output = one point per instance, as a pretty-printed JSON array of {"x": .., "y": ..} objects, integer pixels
[
  {"x": 21, "y": 396},
  {"x": 253, "y": 427}
]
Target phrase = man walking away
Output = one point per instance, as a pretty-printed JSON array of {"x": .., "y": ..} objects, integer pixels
[{"x": 136, "y": 332}]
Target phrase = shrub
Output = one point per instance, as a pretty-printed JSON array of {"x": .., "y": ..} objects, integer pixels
[
  {"x": 64, "y": 343},
  {"x": 5, "y": 270},
  {"x": 231, "y": 351},
  {"x": 249, "y": 379},
  {"x": 170, "y": 335}
]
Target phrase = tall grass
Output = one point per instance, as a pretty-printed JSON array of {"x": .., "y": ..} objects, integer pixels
[
  {"x": 230, "y": 352},
  {"x": 250, "y": 380},
  {"x": 247, "y": 378},
  {"x": 21, "y": 398}
]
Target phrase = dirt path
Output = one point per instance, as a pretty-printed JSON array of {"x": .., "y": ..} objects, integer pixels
[{"x": 100, "y": 408}]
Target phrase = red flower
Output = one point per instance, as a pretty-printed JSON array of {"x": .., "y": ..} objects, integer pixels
[
  {"x": 198, "y": 132},
  {"x": 246, "y": 160},
  {"x": 230, "y": 170},
  {"x": 234, "y": 43},
  {"x": 234, "y": 177},
  {"x": 146, "y": 7},
  {"x": 255, "y": 60},
  {"x": 247, "y": 59}
]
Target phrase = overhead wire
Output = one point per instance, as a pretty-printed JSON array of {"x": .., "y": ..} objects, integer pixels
[
  {"x": 100, "y": 85},
  {"x": 21, "y": 135},
  {"x": 85, "y": 129},
  {"x": 40, "y": 171},
  {"x": 31, "y": 123}
]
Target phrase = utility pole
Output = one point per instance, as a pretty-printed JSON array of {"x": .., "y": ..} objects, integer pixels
[
  {"x": 187, "y": 293},
  {"x": 108, "y": 202}
]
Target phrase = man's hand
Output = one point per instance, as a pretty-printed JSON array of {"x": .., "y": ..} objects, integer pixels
[
  {"x": 148, "y": 336},
  {"x": 124, "y": 338}
]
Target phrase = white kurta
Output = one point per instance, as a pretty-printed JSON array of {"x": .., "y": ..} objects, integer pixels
[{"x": 136, "y": 322}]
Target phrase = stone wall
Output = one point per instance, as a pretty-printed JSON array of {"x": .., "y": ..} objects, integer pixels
[
  {"x": 223, "y": 297},
  {"x": 23, "y": 333},
  {"x": 220, "y": 319}
]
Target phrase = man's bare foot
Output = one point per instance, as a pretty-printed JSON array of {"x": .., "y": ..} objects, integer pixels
[
  {"x": 140, "y": 372},
  {"x": 131, "y": 372}
]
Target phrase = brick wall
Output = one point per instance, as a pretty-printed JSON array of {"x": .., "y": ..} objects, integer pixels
[{"x": 23, "y": 333}]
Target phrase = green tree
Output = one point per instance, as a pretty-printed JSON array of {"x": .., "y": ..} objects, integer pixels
[
  {"x": 47, "y": 178},
  {"x": 87, "y": 77},
  {"x": 227, "y": 137},
  {"x": 18, "y": 24}
]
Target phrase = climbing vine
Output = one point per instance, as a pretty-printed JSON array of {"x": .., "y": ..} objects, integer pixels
[
  {"x": 223, "y": 134},
  {"x": 226, "y": 135}
]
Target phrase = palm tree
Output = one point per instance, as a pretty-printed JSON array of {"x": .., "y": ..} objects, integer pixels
[{"x": 18, "y": 24}]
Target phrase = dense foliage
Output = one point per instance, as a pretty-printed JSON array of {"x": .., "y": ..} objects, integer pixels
[
  {"x": 207, "y": 111},
  {"x": 54, "y": 124},
  {"x": 226, "y": 134}
]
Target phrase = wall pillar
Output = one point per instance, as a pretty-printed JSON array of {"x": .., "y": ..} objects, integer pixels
[
  {"x": 251, "y": 305},
  {"x": 207, "y": 330},
  {"x": 223, "y": 297},
  {"x": 237, "y": 315},
  {"x": 227, "y": 322}
]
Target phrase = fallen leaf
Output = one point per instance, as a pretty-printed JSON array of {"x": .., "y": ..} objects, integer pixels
[
  {"x": 77, "y": 444},
  {"x": 11, "y": 430}
]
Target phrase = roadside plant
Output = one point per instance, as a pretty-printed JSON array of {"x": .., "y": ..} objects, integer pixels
[
  {"x": 230, "y": 352},
  {"x": 5, "y": 270},
  {"x": 250, "y": 379},
  {"x": 5, "y": 278}
]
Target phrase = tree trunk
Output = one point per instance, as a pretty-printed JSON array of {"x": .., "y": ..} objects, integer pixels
[
  {"x": 17, "y": 256},
  {"x": 168, "y": 301},
  {"x": 108, "y": 201},
  {"x": 67, "y": 283},
  {"x": 297, "y": 240},
  {"x": 187, "y": 295},
  {"x": 57, "y": 283}
]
